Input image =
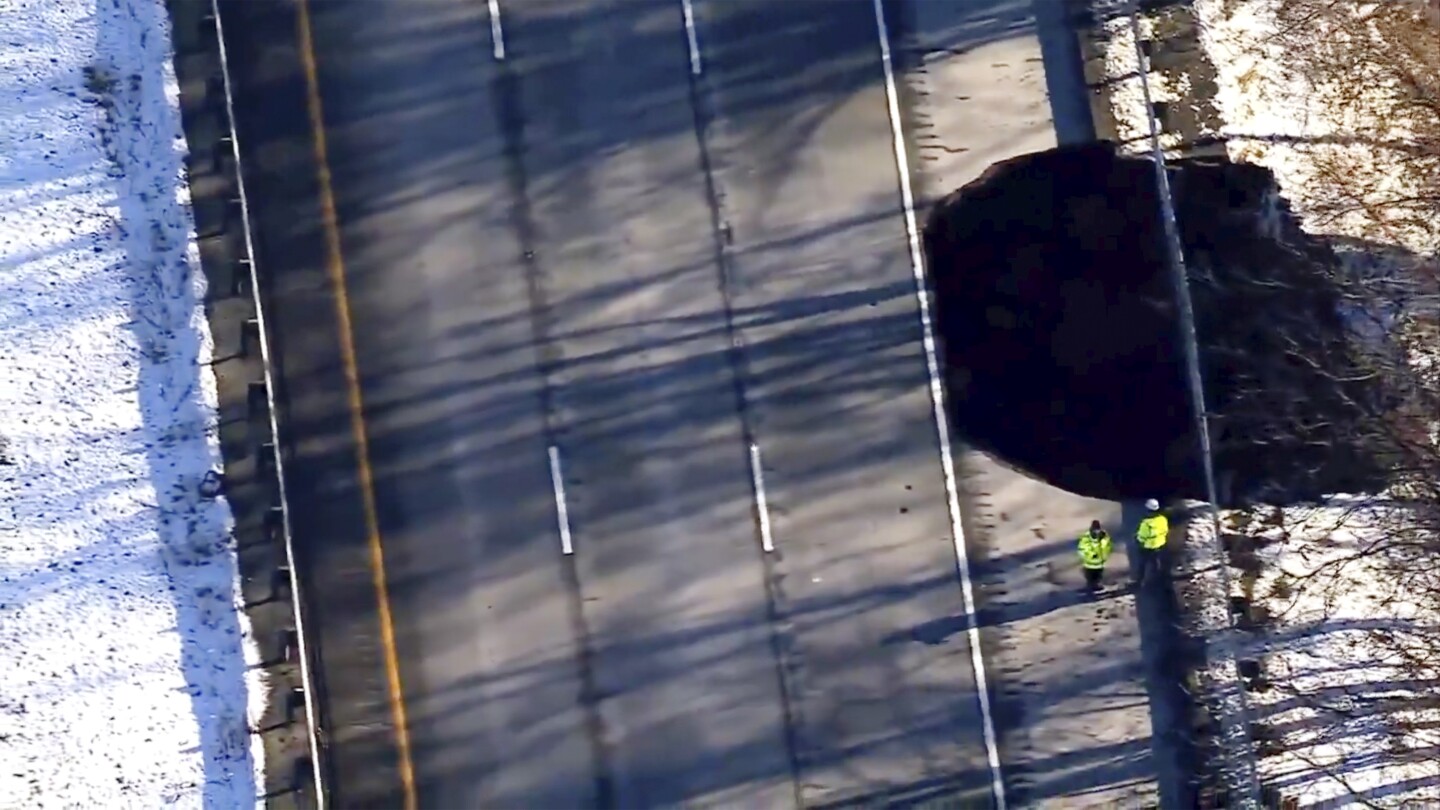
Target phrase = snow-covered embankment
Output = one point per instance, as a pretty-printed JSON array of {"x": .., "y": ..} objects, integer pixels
[
  {"x": 1344, "y": 594},
  {"x": 1346, "y": 590},
  {"x": 127, "y": 680}
]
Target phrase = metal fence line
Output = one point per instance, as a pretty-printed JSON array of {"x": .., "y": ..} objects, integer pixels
[{"x": 307, "y": 675}]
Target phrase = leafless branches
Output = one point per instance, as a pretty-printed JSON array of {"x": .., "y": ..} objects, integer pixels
[
  {"x": 1375, "y": 68},
  {"x": 1348, "y": 590}
]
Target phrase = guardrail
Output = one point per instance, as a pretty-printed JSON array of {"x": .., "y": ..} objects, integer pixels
[
  {"x": 307, "y": 666},
  {"x": 1233, "y": 716}
]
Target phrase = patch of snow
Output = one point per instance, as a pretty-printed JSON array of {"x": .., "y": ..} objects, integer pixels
[
  {"x": 1343, "y": 152},
  {"x": 1127, "y": 96},
  {"x": 1203, "y": 580},
  {"x": 1352, "y": 619},
  {"x": 1277, "y": 117},
  {"x": 128, "y": 678},
  {"x": 1348, "y": 650}
]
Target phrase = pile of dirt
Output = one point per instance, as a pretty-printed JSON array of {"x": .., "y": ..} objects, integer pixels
[{"x": 1060, "y": 323}]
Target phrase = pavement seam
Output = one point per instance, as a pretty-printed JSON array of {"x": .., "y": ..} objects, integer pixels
[
  {"x": 784, "y": 648},
  {"x": 547, "y": 359}
]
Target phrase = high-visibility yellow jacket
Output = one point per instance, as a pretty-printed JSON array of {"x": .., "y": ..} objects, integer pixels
[
  {"x": 1094, "y": 550},
  {"x": 1153, "y": 532}
]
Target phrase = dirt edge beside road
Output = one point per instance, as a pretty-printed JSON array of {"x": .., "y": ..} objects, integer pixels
[{"x": 932, "y": 150}]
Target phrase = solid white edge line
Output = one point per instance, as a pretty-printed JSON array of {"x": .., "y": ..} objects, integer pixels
[
  {"x": 687, "y": 8},
  {"x": 497, "y": 32},
  {"x": 307, "y": 675},
  {"x": 762, "y": 504},
  {"x": 937, "y": 398},
  {"x": 562, "y": 511}
]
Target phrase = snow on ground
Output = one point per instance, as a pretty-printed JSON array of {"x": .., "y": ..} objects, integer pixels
[
  {"x": 1348, "y": 629},
  {"x": 1345, "y": 635},
  {"x": 126, "y": 681},
  {"x": 1127, "y": 94},
  {"x": 1276, "y": 117},
  {"x": 1279, "y": 117},
  {"x": 1350, "y": 652}
]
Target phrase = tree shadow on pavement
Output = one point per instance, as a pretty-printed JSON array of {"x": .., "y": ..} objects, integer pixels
[{"x": 443, "y": 434}]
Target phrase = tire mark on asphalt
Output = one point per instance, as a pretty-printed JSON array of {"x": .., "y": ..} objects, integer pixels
[
  {"x": 512, "y": 125},
  {"x": 778, "y": 609}
]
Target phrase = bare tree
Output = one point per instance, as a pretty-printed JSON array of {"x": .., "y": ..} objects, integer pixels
[
  {"x": 1374, "y": 67},
  {"x": 1354, "y": 579}
]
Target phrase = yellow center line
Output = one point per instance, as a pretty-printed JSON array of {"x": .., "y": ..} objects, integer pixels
[{"x": 335, "y": 267}]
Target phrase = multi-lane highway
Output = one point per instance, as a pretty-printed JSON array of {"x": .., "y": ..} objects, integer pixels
[
  {"x": 627, "y": 402},
  {"x": 532, "y": 262}
]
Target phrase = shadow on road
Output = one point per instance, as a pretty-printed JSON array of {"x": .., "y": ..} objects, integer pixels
[{"x": 418, "y": 366}]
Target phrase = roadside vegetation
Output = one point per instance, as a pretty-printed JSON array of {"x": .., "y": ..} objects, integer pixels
[{"x": 1340, "y": 596}]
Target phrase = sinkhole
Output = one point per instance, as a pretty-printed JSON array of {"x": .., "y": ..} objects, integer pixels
[{"x": 1062, "y": 336}]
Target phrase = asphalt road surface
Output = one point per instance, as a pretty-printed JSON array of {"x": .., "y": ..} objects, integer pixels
[
  {"x": 837, "y": 391},
  {"x": 600, "y": 288},
  {"x": 531, "y": 255}
]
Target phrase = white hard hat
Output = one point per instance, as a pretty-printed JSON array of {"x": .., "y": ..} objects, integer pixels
[{"x": 1153, "y": 505}]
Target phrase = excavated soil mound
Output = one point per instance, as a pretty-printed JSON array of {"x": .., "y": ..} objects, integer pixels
[{"x": 1062, "y": 338}]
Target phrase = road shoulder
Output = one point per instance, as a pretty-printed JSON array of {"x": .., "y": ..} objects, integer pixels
[
  {"x": 320, "y": 460},
  {"x": 1069, "y": 674}
]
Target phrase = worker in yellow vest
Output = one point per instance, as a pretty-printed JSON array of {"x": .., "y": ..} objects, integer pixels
[
  {"x": 1151, "y": 535},
  {"x": 1094, "y": 549}
]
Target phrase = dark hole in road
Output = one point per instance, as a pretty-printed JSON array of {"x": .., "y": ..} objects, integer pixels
[{"x": 1060, "y": 327}]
